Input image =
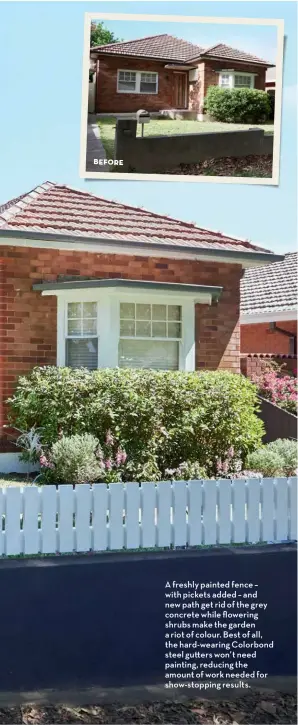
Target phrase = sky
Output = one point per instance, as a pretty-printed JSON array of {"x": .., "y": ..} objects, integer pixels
[{"x": 41, "y": 52}]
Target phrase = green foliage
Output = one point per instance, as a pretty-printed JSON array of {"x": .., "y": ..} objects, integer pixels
[
  {"x": 74, "y": 459},
  {"x": 160, "y": 419},
  {"x": 187, "y": 471},
  {"x": 278, "y": 458},
  {"x": 100, "y": 35},
  {"x": 237, "y": 105},
  {"x": 288, "y": 453}
]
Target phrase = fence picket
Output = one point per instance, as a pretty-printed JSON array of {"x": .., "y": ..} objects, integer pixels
[
  {"x": 2, "y": 521},
  {"x": 164, "y": 526},
  {"x": 179, "y": 519},
  {"x": 281, "y": 509},
  {"x": 268, "y": 533},
  {"x": 132, "y": 525},
  {"x": 99, "y": 516},
  {"x": 195, "y": 513},
  {"x": 13, "y": 521},
  {"x": 148, "y": 501},
  {"x": 48, "y": 519},
  {"x": 83, "y": 495},
  {"x": 209, "y": 512},
  {"x": 224, "y": 514},
  {"x": 238, "y": 510},
  {"x": 116, "y": 526},
  {"x": 31, "y": 499},
  {"x": 293, "y": 509},
  {"x": 66, "y": 514},
  {"x": 253, "y": 510}
]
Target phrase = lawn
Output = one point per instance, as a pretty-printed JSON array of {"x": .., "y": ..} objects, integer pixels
[
  {"x": 171, "y": 127},
  {"x": 16, "y": 479}
]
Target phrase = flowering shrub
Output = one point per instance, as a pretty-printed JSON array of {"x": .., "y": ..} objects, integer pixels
[
  {"x": 80, "y": 459},
  {"x": 278, "y": 388},
  {"x": 187, "y": 471}
]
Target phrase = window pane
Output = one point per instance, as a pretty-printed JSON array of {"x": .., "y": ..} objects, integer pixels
[
  {"x": 82, "y": 353},
  {"x": 127, "y": 327},
  {"x": 159, "y": 329},
  {"x": 143, "y": 312},
  {"x": 74, "y": 309},
  {"x": 74, "y": 327},
  {"x": 89, "y": 309},
  {"x": 126, "y": 86},
  {"x": 174, "y": 312},
  {"x": 127, "y": 311},
  {"x": 174, "y": 329},
  {"x": 143, "y": 329},
  {"x": 154, "y": 354},
  {"x": 148, "y": 83},
  {"x": 242, "y": 81},
  {"x": 89, "y": 327},
  {"x": 159, "y": 312},
  {"x": 126, "y": 80},
  {"x": 224, "y": 79}
]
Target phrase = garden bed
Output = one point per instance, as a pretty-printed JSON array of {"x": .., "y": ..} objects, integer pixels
[
  {"x": 248, "y": 166},
  {"x": 259, "y": 707}
]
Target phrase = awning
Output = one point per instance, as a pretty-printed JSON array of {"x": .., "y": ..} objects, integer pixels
[{"x": 193, "y": 290}]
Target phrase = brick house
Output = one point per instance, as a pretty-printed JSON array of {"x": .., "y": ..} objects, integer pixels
[
  {"x": 94, "y": 283},
  {"x": 162, "y": 73},
  {"x": 269, "y": 308}
]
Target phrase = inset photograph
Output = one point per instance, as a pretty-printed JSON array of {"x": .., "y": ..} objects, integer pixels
[{"x": 198, "y": 101}]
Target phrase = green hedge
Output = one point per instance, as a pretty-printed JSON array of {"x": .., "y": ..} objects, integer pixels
[
  {"x": 237, "y": 105},
  {"x": 160, "y": 418}
]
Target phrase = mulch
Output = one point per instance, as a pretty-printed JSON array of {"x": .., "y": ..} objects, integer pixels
[
  {"x": 251, "y": 166},
  {"x": 257, "y": 708}
]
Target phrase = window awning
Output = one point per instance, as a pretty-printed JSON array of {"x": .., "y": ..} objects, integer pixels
[{"x": 193, "y": 290}]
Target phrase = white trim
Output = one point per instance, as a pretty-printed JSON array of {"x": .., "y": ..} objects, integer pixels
[
  {"x": 135, "y": 250},
  {"x": 109, "y": 319},
  {"x": 137, "y": 89},
  {"x": 261, "y": 317},
  {"x": 232, "y": 75}
]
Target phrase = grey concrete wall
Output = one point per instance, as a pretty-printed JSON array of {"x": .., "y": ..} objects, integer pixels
[{"x": 152, "y": 154}]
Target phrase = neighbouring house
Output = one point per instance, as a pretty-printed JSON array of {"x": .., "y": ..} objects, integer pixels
[
  {"x": 270, "y": 80},
  {"x": 161, "y": 73},
  {"x": 95, "y": 283},
  {"x": 269, "y": 308}
]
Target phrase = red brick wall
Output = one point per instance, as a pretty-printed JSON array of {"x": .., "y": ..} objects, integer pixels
[
  {"x": 252, "y": 365},
  {"x": 208, "y": 76},
  {"x": 259, "y": 338},
  {"x": 29, "y": 320},
  {"x": 109, "y": 101}
]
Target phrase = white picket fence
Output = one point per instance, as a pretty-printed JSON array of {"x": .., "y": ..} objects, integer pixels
[{"x": 85, "y": 518}]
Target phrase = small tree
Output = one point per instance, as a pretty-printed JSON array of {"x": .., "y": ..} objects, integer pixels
[{"x": 101, "y": 36}]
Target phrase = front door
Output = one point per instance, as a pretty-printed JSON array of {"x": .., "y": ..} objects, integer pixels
[{"x": 180, "y": 90}]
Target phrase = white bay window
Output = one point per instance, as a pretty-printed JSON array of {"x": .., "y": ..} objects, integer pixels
[
  {"x": 233, "y": 79},
  {"x": 137, "y": 82},
  {"x": 109, "y": 323}
]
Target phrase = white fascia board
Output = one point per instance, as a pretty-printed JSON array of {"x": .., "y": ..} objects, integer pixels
[
  {"x": 263, "y": 317},
  {"x": 103, "y": 248}
]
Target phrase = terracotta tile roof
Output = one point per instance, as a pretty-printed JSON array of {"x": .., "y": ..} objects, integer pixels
[
  {"x": 61, "y": 210},
  {"x": 270, "y": 289},
  {"x": 224, "y": 52},
  {"x": 168, "y": 47},
  {"x": 164, "y": 47}
]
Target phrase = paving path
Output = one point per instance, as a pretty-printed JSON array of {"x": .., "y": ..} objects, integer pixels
[{"x": 95, "y": 147}]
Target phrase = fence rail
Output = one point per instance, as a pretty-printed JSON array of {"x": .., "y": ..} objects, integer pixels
[{"x": 82, "y": 518}]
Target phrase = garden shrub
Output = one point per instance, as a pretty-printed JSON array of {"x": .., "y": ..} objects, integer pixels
[
  {"x": 74, "y": 459},
  {"x": 277, "y": 387},
  {"x": 237, "y": 105},
  {"x": 278, "y": 458},
  {"x": 161, "y": 419}
]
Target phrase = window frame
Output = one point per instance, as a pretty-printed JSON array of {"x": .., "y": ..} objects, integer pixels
[
  {"x": 232, "y": 74},
  {"x": 137, "y": 89},
  {"x": 108, "y": 321}
]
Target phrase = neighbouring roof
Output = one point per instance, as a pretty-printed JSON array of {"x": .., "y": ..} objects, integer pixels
[
  {"x": 168, "y": 47},
  {"x": 59, "y": 211},
  {"x": 270, "y": 289}
]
